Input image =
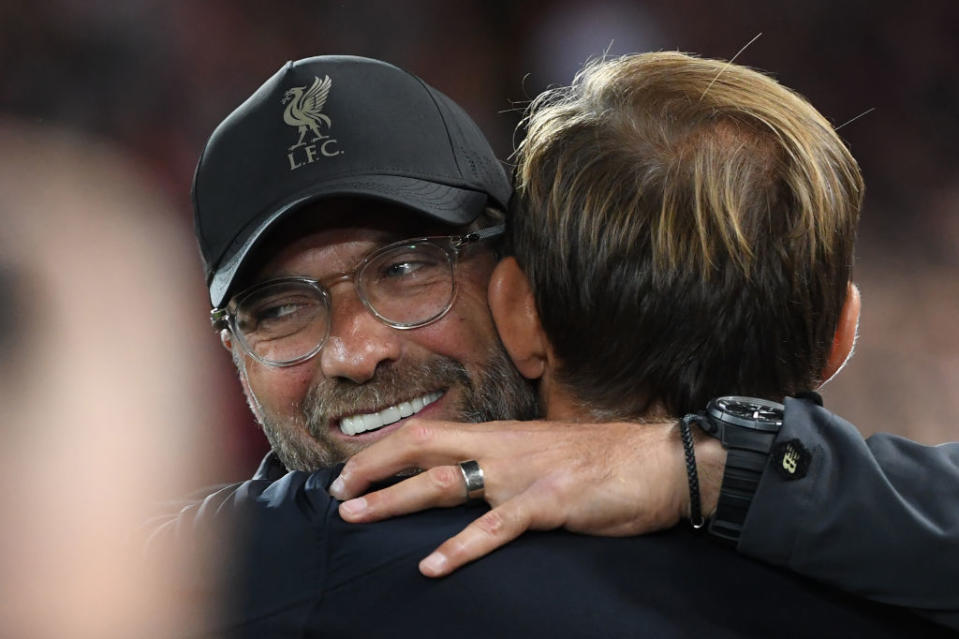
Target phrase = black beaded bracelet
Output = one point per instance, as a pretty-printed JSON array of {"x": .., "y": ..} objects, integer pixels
[{"x": 695, "y": 505}]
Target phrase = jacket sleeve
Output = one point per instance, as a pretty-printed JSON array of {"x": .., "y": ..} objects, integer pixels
[{"x": 876, "y": 517}]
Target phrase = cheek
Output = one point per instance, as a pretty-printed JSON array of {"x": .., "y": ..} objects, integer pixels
[
  {"x": 280, "y": 390},
  {"x": 466, "y": 333}
]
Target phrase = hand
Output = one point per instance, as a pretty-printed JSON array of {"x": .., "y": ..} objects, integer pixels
[{"x": 611, "y": 479}]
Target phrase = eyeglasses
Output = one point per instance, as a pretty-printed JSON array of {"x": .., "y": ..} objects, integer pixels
[{"x": 407, "y": 284}]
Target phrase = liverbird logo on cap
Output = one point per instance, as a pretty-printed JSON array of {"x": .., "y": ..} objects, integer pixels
[{"x": 304, "y": 110}]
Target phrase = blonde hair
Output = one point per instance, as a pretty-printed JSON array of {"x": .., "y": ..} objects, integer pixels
[{"x": 661, "y": 175}]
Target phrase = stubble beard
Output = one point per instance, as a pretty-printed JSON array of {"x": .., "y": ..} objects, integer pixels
[{"x": 495, "y": 392}]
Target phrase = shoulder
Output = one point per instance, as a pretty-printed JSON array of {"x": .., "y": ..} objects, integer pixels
[{"x": 260, "y": 503}]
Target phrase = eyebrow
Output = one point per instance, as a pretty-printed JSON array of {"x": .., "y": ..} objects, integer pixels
[{"x": 388, "y": 237}]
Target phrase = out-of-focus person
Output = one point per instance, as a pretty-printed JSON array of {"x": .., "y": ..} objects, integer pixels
[{"x": 97, "y": 395}]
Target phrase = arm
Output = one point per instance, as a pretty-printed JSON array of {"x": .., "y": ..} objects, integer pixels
[
  {"x": 612, "y": 479},
  {"x": 878, "y": 517}
]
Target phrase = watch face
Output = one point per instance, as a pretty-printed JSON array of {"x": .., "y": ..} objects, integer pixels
[{"x": 749, "y": 412}]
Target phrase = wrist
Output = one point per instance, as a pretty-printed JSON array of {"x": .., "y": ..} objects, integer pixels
[
  {"x": 678, "y": 471},
  {"x": 747, "y": 428},
  {"x": 710, "y": 462}
]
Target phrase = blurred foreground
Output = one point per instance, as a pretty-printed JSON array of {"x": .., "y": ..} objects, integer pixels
[{"x": 101, "y": 389}]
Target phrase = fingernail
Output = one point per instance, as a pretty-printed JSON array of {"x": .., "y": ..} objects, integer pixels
[
  {"x": 353, "y": 507},
  {"x": 337, "y": 487},
  {"x": 434, "y": 565}
]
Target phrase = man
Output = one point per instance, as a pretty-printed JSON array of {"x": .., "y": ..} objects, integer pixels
[
  {"x": 276, "y": 184},
  {"x": 283, "y": 293}
]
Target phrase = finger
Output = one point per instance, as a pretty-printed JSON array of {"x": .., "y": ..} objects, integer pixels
[
  {"x": 426, "y": 443},
  {"x": 417, "y": 444},
  {"x": 499, "y": 526},
  {"x": 440, "y": 486}
]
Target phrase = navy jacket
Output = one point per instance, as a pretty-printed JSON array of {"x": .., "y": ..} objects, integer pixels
[
  {"x": 298, "y": 570},
  {"x": 878, "y": 517}
]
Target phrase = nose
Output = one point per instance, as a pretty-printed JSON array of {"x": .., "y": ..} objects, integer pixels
[{"x": 358, "y": 342}]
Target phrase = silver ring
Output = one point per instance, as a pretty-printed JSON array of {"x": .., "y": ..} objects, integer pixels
[{"x": 473, "y": 479}]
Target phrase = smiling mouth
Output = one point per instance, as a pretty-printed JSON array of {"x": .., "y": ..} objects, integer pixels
[{"x": 363, "y": 423}]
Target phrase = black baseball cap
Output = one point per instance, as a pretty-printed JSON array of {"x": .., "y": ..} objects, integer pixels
[{"x": 333, "y": 126}]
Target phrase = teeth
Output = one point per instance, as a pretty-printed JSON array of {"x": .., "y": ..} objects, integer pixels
[
  {"x": 370, "y": 421},
  {"x": 391, "y": 414}
]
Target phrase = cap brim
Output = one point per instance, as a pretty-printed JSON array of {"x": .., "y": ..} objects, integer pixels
[{"x": 447, "y": 204}]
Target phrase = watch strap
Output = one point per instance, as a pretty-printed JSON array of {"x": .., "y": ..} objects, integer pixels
[{"x": 744, "y": 469}]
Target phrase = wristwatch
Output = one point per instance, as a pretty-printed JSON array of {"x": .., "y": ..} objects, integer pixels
[{"x": 747, "y": 427}]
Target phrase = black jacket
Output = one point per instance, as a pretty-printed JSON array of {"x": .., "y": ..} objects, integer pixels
[
  {"x": 295, "y": 569},
  {"x": 878, "y": 517}
]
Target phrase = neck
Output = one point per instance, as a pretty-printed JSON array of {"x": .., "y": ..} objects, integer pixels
[
  {"x": 565, "y": 408},
  {"x": 561, "y": 404}
]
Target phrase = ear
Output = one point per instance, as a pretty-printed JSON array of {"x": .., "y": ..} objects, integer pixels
[
  {"x": 845, "y": 337},
  {"x": 517, "y": 320},
  {"x": 226, "y": 339}
]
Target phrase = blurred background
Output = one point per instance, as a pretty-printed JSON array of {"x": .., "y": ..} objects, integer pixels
[{"x": 152, "y": 78}]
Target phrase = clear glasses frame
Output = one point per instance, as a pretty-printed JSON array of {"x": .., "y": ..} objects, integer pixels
[{"x": 451, "y": 245}]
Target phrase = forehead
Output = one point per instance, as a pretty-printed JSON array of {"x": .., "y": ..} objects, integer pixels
[{"x": 332, "y": 234}]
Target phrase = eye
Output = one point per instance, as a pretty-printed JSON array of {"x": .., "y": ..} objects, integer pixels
[
  {"x": 278, "y": 313},
  {"x": 283, "y": 311},
  {"x": 404, "y": 268},
  {"x": 409, "y": 263}
]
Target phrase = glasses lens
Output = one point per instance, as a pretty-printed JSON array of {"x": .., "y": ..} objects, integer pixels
[
  {"x": 282, "y": 322},
  {"x": 409, "y": 285}
]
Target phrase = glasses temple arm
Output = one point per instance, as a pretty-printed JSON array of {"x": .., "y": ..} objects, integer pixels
[
  {"x": 219, "y": 318},
  {"x": 485, "y": 234}
]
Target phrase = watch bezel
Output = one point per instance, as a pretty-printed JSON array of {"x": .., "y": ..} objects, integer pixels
[{"x": 742, "y": 411}]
